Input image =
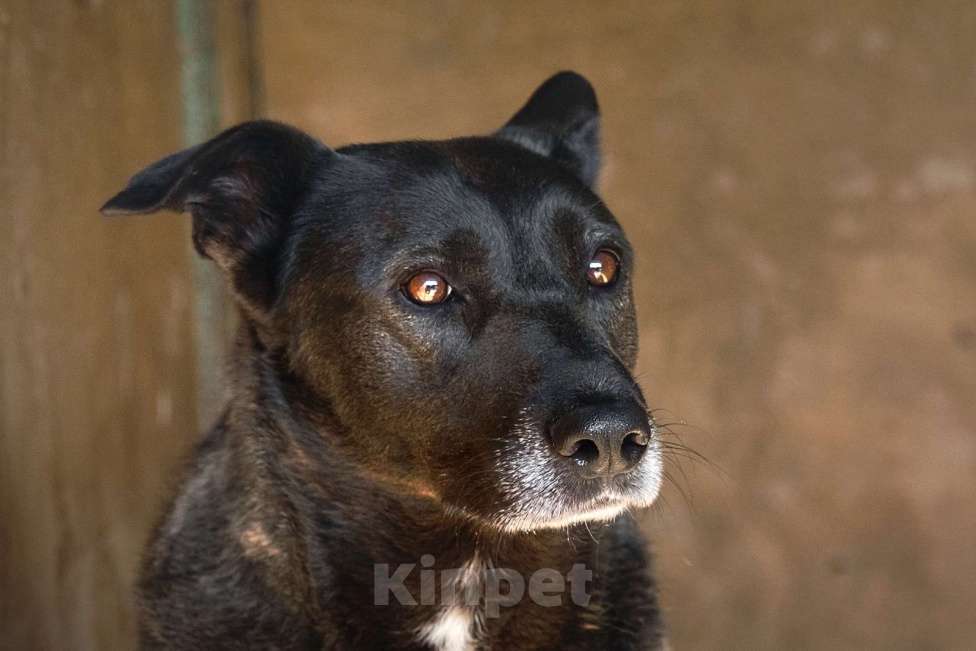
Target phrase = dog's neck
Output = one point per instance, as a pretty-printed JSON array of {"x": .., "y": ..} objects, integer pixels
[{"x": 317, "y": 512}]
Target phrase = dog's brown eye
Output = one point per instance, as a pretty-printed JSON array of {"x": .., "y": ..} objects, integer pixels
[
  {"x": 427, "y": 288},
  {"x": 603, "y": 268}
]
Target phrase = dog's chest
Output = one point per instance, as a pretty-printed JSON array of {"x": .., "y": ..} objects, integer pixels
[
  {"x": 453, "y": 629},
  {"x": 458, "y": 623}
]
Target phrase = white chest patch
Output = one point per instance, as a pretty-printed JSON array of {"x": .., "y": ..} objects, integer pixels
[
  {"x": 458, "y": 624},
  {"x": 451, "y": 630}
]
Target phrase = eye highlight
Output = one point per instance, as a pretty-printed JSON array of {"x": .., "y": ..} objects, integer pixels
[
  {"x": 602, "y": 268},
  {"x": 427, "y": 288}
]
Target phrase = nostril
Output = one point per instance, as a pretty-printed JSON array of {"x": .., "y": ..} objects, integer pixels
[
  {"x": 633, "y": 446},
  {"x": 637, "y": 438},
  {"x": 585, "y": 453}
]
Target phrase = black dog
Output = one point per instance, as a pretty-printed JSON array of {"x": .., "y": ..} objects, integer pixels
[{"x": 433, "y": 417}]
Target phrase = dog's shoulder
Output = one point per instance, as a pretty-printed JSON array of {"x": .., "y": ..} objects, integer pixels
[{"x": 205, "y": 578}]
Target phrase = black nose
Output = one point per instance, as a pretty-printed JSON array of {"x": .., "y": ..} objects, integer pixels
[{"x": 603, "y": 440}]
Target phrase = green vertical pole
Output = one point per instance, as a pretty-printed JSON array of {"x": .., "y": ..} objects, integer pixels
[
  {"x": 252, "y": 54},
  {"x": 201, "y": 115}
]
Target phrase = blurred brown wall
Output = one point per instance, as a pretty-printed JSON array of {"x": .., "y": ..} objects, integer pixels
[
  {"x": 799, "y": 180},
  {"x": 94, "y": 317},
  {"x": 97, "y": 392}
]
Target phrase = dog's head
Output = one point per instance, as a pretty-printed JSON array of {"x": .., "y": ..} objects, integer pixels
[{"x": 462, "y": 309}]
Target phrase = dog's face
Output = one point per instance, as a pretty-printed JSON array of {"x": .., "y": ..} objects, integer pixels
[{"x": 462, "y": 310}]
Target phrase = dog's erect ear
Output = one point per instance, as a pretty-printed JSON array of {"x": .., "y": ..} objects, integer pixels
[
  {"x": 241, "y": 188},
  {"x": 561, "y": 120}
]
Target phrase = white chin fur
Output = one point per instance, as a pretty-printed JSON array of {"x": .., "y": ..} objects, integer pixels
[{"x": 530, "y": 523}]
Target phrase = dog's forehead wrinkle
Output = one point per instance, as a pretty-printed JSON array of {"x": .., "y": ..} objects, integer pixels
[{"x": 519, "y": 182}]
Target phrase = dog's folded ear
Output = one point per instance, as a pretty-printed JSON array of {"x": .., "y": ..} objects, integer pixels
[
  {"x": 242, "y": 188},
  {"x": 562, "y": 121}
]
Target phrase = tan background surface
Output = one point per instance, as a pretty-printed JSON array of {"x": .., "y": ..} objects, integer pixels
[
  {"x": 94, "y": 317},
  {"x": 799, "y": 180}
]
